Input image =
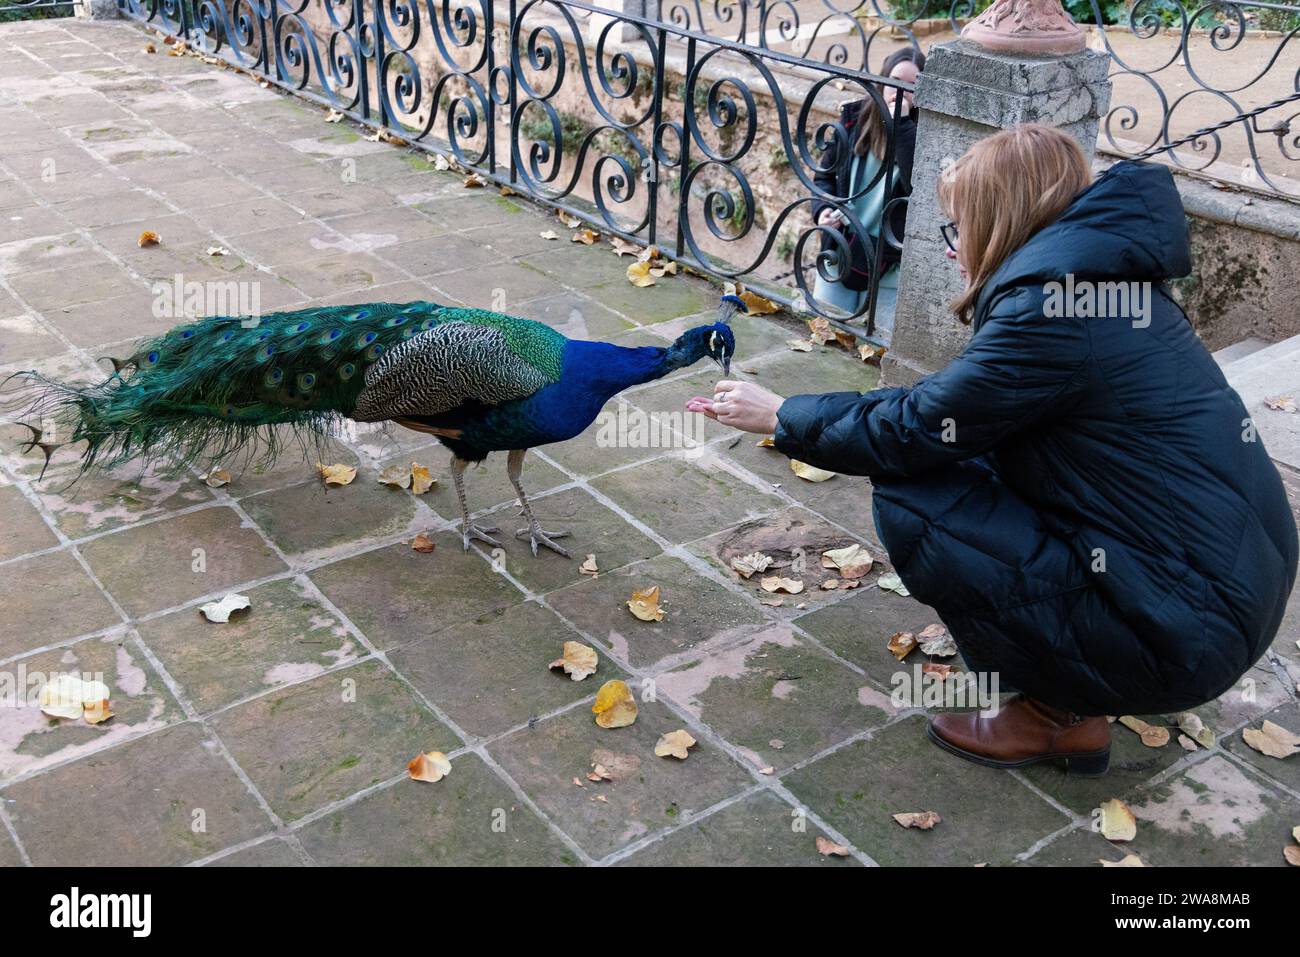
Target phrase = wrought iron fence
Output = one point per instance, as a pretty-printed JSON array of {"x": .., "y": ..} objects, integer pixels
[{"x": 707, "y": 148}]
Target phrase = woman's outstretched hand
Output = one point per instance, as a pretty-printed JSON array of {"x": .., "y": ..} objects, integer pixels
[{"x": 741, "y": 405}]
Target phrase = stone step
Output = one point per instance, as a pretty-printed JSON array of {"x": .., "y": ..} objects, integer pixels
[
  {"x": 1244, "y": 365},
  {"x": 1239, "y": 350},
  {"x": 1264, "y": 374}
]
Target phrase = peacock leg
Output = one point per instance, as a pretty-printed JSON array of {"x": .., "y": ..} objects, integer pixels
[
  {"x": 468, "y": 529},
  {"x": 534, "y": 531}
]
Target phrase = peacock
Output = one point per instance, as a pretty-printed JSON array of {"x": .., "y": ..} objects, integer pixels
[{"x": 480, "y": 381}]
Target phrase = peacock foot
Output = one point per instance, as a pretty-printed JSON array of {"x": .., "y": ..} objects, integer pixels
[
  {"x": 480, "y": 533},
  {"x": 539, "y": 536}
]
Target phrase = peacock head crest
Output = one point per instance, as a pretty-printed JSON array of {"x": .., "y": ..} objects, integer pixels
[{"x": 716, "y": 342}]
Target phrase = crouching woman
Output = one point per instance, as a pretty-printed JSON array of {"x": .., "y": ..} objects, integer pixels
[{"x": 1080, "y": 495}]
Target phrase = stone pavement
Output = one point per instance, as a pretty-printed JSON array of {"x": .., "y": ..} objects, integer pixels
[{"x": 283, "y": 737}]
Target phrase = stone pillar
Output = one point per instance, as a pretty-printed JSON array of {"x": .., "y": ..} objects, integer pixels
[
  {"x": 966, "y": 93},
  {"x": 623, "y": 32},
  {"x": 96, "y": 10}
]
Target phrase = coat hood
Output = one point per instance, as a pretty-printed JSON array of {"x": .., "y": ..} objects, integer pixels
[{"x": 1129, "y": 224}]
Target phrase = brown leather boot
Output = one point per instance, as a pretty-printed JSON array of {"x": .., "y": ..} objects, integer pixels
[{"x": 1023, "y": 732}]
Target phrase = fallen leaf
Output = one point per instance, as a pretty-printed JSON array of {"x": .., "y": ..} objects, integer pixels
[
  {"x": 1281, "y": 403},
  {"x": 398, "y": 476},
  {"x": 1128, "y": 860},
  {"x": 891, "y": 582},
  {"x": 333, "y": 116},
  {"x": 421, "y": 479},
  {"x": 935, "y": 668},
  {"x": 820, "y": 330},
  {"x": 922, "y": 820},
  {"x": 218, "y": 251},
  {"x": 799, "y": 345},
  {"x": 71, "y": 697},
  {"x": 148, "y": 238},
  {"x": 1187, "y": 743},
  {"x": 767, "y": 442},
  {"x": 1192, "y": 725},
  {"x": 579, "y": 783},
  {"x": 852, "y": 561},
  {"x": 1117, "y": 821},
  {"x": 578, "y": 660},
  {"x": 870, "y": 354},
  {"x": 337, "y": 474},
  {"x": 828, "y": 848},
  {"x": 638, "y": 274},
  {"x": 674, "y": 744},
  {"x": 830, "y": 584},
  {"x": 614, "y": 707},
  {"x": 217, "y": 478},
  {"x": 901, "y": 644},
  {"x": 474, "y": 181},
  {"x": 851, "y": 583},
  {"x": 97, "y": 712},
  {"x": 645, "y": 604},
  {"x": 661, "y": 268},
  {"x": 767, "y": 770},
  {"x": 747, "y": 565},
  {"x": 150, "y": 48},
  {"x": 1153, "y": 736},
  {"x": 775, "y": 583},
  {"x": 506, "y": 191},
  {"x": 567, "y": 220},
  {"x": 422, "y": 543},
  {"x": 599, "y": 772},
  {"x": 621, "y": 246},
  {"x": 432, "y": 767},
  {"x": 937, "y": 646},
  {"x": 1292, "y": 855},
  {"x": 441, "y": 162},
  {"x": 758, "y": 305},
  {"x": 588, "y": 567},
  {"x": 585, "y": 236},
  {"x": 549, "y": 234},
  {"x": 810, "y": 473},
  {"x": 772, "y": 602},
  {"x": 1272, "y": 740},
  {"x": 220, "y": 611}
]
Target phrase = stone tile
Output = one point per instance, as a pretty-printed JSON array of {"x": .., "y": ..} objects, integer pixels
[
  {"x": 668, "y": 298},
  {"x": 1286, "y": 771},
  {"x": 684, "y": 499},
  {"x": 564, "y": 259},
  {"x": 9, "y": 855},
  {"x": 777, "y": 698},
  {"x": 272, "y": 853},
  {"x": 593, "y": 453},
  {"x": 151, "y": 567},
  {"x": 96, "y": 813},
  {"x": 647, "y": 794},
  {"x": 287, "y": 635},
  {"x": 501, "y": 287},
  {"x": 575, "y": 316},
  {"x": 112, "y": 319},
  {"x": 249, "y": 216},
  {"x": 281, "y": 246},
  {"x": 593, "y": 530},
  {"x": 128, "y": 206},
  {"x": 858, "y": 629},
  {"x": 49, "y": 599},
  {"x": 316, "y": 520},
  {"x": 337, "y": 273},
  {"x": 23, "y": 530},
  {"x": 486, "y": 485},
  {"x": 31, "y": 740},
  {"x": 1214, "y": 812},
  {"x": 491, "y": 674},
  {"x": 395, "y": 594},
  {"x": 427, "y": 257},
  {"x": 26, "y": 222},
  {"x": 315, "y": 743},
  {"x": 469, "y": 819},
  {"x": 990, "y": 818},
  {"x": 828, "y": 369},
  {"x": 698, "y": 613},
  {"x": 758, "y": 831},
  {"x": 50, "y": 291},
  {"x": 124, "y": 495},
  {"x": 1083, "y": 847},
  {"x": 295, "y": 465},
  {"x": 1255, "y": 694},
  {"x": 794, "y": 539}
]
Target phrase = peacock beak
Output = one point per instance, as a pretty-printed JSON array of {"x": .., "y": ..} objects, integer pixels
[{"x": 724, "y": 364}]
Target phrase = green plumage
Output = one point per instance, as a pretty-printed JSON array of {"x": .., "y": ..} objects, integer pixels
[{"x": 209, "y": 389}]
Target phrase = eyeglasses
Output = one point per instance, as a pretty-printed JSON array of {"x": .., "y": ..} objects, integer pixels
[{"x": 949, "y": 231}]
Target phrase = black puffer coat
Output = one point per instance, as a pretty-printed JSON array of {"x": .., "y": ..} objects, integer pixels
[{"x": 1083, "y": 500}]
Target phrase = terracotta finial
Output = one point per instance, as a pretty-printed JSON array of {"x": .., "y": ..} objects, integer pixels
[{"x": 1026, "y": 26}]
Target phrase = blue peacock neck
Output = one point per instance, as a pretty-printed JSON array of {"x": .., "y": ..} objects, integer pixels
[{"x": 610, "y": 368}]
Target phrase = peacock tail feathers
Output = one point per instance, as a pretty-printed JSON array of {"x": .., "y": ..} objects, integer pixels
[{"x": 214, "y": 388}]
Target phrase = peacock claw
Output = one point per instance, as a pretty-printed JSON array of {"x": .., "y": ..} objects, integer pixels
[
  {"x": 539, "y": 536},
  {"x": 480, "y": 533}
]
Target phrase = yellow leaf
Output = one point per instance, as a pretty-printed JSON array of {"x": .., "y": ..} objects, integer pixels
[
  {"x": 1281, "y": 403},
  {"x": 148, "y": 238},
  {"x": 1128, "y": 860},
  {"x": 421, "y": 480},
  {"x": 422, "y": 543},
  {"x": 922, "y": 820},
  {"x": 870, "y": 354},
  {"x": 638, "y": 274},
  {"x": 585, "y": 236},
  {"x": 98, "y": 712},
  {"x": 663, "y": 267},
  {"x": 506, "y": 191},
  {"x": 578, "y": 660},
  {"x": 901, "y": 644},
  {"x": 431, "y": 766},
  {"x": 614, "y": 707},
  {"x": 821, "y": 330},
  {"x": 1117, "y": 821},
  {"x": 828, "y": 848},
  {"x": 810, "y": 473},
  {"x": 758, "y": 305},
  {"x": 1272, "y": 740},
  {"x": 767, "y": 442},
  {"x": 588, "y": 567},
  {"x": 398, "y": 476},
  {"x": 645, "y": 604},
  {"x": 68, "y": 696},
  {"x": 217, "y": 478},
  {"x": 676, "y": 744},
  {"x": 776, "y": 583},
  {"x": 337, "y": 474}
]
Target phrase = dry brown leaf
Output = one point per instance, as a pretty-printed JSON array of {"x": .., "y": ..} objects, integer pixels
[
  {"x": 217, "y": 478},
  {"x": 441, "y": 163},
  {"x": 747, "y": 565},
  {"x": 97, "y": 712},
  {"x": 599, "y": 772},
  {"x": 676, "y": 744},
  {"x": 870, "y": 354},
  {"x": 645, "y": 604},
  {"x": 935, "y": 668},
  {"x": 820, "y": 330},
  {"x": 431, "y": 766},
  {"x": 1272, "y": 740},
  {"x": 852, "y": 561},
  {"x": 758, "y": 305},
  {"x": 585, "y": 236},
  {"x": 922, "y": 820},
  {"x": 622, "y": 247},
  {"x": 1128, "y": 860},
  {"x": 506, "y": 191},
  {"x": 1292, "y": 855},
  {"x": 333, "y": 116},
  {"x": 830, "y": 584},
  {"x": 422, "y": 543},
  {"x": 474, "y": 181},
  {"x": 148, "y": 238},
  {"x": 337, "y": 474},
  {"x": 767, "y": 442},
  {"x": 663, "y": 267},
  {"x": 901, "y": 644},
  {"x": 567, "y": 220},
  {"x": 150, "y": 48},
  {"x": 218, "y": 251},
  {"x": 421, "y": 479},
  {"x": 1186, "y": 743},
  {"x": 939, "y": 645},
  {"x": 614, "y": 707},
  {"x": 588, "y": 566},
  {"x": 638, "y": 274},
  {"x": 775, "y": 583},
  {"x": 772, "y": 602},
  {"x": 1281, "y": 403},
  {"x": 578, "y": 660},
  {"x": 891, "y": 582},
  {"x": 800, "y": 345},
  {"x": 549, "y": 234},
  {"x": 1155, "y": 736},
  {"x": 1192, "y": 725},
  {"x": 810, "y": 473},
  {"x": 398, "y": 476},
  {"x": 828, "y": 848},
  {"x": 71, "y": 697},
  {"x": 1117, "y": 821},
  {"x": 851, "y": 583}
]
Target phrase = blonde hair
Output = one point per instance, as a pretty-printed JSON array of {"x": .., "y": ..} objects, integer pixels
[{"x": 1002, "y": 191}]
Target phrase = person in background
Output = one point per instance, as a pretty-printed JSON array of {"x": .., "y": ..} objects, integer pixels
[
  {"x": 1079, "y": 494},
  {"x": 846, "y": 175}
]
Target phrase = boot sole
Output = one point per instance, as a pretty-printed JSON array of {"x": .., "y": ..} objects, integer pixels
[{"x": 1087, "y": 764}]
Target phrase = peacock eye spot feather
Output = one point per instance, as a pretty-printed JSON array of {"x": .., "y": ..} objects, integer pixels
[
  {"x": 151, "y": 358},
  {"x": 396, "y": 321},
  {"x": 301, "y": 327},
  {"x": 227, "y": 336},
  {"x": 265, "y": 353},
  {"x": 366, "y": 339},
  {"x": 375, "y": 351},
  {"x": 306, "y": 381},
  {"x": 331, "y": 335},
  {"x": 347, "y": 371},
  {"x": 361, "y": 314},
  {"x": 274, "y": 376}
]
